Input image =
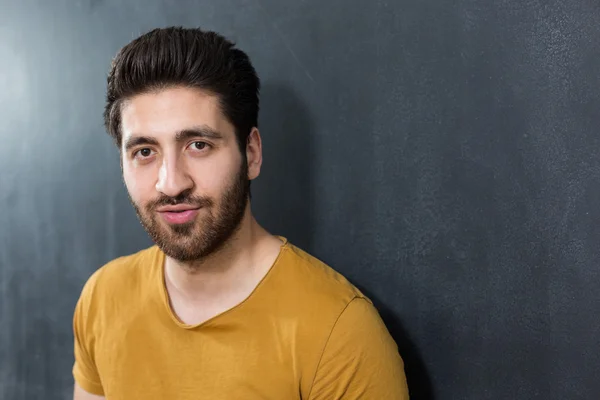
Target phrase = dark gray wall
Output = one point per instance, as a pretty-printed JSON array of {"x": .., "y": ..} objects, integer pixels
[{"x": 441, "y": 154}]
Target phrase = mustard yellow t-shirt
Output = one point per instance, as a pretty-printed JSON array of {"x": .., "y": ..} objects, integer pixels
[{"x": 304, "y": 333}]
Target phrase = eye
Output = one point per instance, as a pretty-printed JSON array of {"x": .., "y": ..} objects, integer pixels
[
  {"x": 199, "y": 145},
  {"x": 143, "y": 153}
]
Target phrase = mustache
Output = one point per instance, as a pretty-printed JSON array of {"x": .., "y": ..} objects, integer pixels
[{"x": 182, "y": 198}]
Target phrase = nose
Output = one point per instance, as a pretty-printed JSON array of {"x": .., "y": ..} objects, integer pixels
[{"x": 173, "y": 178}]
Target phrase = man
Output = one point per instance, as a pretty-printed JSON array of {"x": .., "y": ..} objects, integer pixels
[{"x": 218, "y": 308}]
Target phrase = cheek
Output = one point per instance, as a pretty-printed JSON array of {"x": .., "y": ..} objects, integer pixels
[
  {"x": 215, "y": 177},
  {"x": 139, "y": 184}
]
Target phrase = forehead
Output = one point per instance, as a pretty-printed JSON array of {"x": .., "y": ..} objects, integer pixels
[{"x": 162, "y": 113}]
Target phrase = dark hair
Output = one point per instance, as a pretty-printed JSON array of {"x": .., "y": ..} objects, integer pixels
[{"x": 177, "y": 56}]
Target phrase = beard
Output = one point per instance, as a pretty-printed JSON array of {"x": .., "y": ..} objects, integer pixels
[{"x": 209, "y": 231}]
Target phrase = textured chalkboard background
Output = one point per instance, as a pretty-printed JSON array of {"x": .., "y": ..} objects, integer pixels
[{"x": 443, "y": 155}]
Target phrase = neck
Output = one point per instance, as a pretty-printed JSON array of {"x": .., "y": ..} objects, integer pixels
[{"x": 236, "y": 267}]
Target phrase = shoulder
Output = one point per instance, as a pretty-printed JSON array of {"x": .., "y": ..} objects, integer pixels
[
  {"x": 118, "y": 276},
  {"x": 339, "y": 327},
  {"x": 317, "y": 277},
  {"x": 326, "y": 292},
  {"x": 313, "y": 288}
]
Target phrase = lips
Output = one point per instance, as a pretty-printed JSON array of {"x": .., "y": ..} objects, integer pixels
[
  {"x": 179, "y": 214},
  {"x": 177, "y": 208}
]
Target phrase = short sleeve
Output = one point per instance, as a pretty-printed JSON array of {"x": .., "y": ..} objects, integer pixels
[
  {"x": 360, "y": 359},
  {"x": 84, "y": 369}
]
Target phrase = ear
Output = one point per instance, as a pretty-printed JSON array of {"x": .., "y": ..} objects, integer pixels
[{"x": 254, "y": 153}]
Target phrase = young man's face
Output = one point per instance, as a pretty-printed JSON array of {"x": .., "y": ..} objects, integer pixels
[{"x": 184, "y": 171}]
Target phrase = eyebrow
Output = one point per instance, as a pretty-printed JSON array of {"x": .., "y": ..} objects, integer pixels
[{"x": 201, "y": 131}]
